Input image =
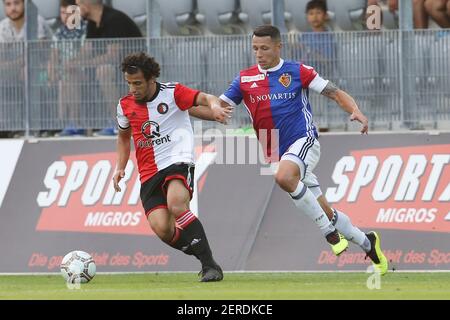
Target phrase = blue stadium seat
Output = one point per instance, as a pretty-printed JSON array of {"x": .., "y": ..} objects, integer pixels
[
  {"x": 183, "y": 60},
  {"x": 390, "y": 20},
  {"x": 48, "y": 9},
  {"x": 347, "y": 13},
  {"x": 220, "y": 18},
  {"x": 390, "y": 66},
  {"x": 178, "y": 17},
  {"x": 224, "y": 60},
  {"x": 135, "y": 9},
  {"x": 257, "y": 12},
  {"x": 359, "y": 61},
  {"x": 436, "y": 90},
  {"x": 360, "y": 65},
  {"x": 298, "y": 16}
]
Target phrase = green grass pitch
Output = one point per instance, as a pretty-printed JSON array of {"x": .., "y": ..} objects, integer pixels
[{"x": 253, "y": 286}]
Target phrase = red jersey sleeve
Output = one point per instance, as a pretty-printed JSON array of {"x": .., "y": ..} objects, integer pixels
[
  {"x": 185, "y": 97},
  {"x": 307, "y": 74}
]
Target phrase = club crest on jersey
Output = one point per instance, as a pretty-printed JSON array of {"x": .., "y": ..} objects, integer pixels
[
  {"x": 285, "y": 79},
  {"x": 162, "y": 108}
]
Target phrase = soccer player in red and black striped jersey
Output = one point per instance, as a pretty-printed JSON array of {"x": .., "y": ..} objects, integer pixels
[{"x": 156, "y": 115}]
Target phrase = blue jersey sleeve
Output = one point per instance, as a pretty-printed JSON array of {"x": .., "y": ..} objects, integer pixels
[{"x": 233, "y": 95}]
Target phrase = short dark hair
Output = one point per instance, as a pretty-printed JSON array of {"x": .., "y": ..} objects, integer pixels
[
  {"x": 317, "y": 4},
  {"x": 267, "y": 31},
  {"x": 66, "y": 3},
  {"x": 141, "y": 61}
]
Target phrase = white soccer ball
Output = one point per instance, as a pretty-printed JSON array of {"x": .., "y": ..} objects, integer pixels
[{"x": 78, "y": 267}]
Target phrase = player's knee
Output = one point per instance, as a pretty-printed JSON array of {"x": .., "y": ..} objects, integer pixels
[
  {"x": 162, "y": 229},
  {"x": 177, "y": 207},
  {"x": 286, "y": 181}
]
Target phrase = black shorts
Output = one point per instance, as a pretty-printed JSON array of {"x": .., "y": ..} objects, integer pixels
[{"x": 154, "y": 191}]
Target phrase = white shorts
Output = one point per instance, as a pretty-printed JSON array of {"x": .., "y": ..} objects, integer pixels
[{"x": 305, "y": 152}]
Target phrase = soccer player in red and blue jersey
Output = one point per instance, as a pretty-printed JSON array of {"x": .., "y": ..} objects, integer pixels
[{"x": 275, "y": 93}]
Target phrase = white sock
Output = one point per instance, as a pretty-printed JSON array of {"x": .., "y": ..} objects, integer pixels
[
  {"x": 342, "y": 222},
  {"x": 305, "y": 200}
]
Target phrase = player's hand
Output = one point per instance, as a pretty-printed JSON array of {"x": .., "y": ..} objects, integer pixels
[
  {"x": 116, "y": 179},
  {"x": 358, "y": 116},
  {"x": 222, "y": 114}
]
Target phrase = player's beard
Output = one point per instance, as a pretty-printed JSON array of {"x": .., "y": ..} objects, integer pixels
[
  {"x": 142, "y": 100},
  {"x": 21, "y": 16}
]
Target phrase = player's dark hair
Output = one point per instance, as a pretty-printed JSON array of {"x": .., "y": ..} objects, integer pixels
[
  {"x": 143, "y": 62},
  {"x": 267, "y": 31},
  {"x": 317, "y": 4},
  {"x": 67, "y": 3}
]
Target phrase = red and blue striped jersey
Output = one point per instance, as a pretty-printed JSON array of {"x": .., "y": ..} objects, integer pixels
[{"x": 277, "y": 101}]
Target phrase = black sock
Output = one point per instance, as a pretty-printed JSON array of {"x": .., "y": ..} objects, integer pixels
[
  {"x": 181, "y": 242},
  {"x": 194, "y": 234}
]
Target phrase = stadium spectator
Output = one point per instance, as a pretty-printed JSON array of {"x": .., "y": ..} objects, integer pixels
[
  {"x": 68, "y": 39},
  {"x": 420, "y": 16},
  {"x": 319, "y": 46},
  {"x": 392, "y": 4},
  {"x": 276, "y": 95},
  {"x": 439, "y": 10},
  {"x": 12, "y": 29},
  {"x": 105, "y": 22},
  {"x": 423, "y": 9},
  {"x": 165, "y": 154}
]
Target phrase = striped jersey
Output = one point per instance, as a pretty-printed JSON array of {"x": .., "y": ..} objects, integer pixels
[
  {"x": 161, "y": 128},
  {"x": 277, "y": 101}
]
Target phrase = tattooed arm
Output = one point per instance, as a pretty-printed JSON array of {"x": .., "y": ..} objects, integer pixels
[{"x": 346, "y": 102}]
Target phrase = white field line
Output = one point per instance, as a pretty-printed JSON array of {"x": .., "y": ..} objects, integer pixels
[{"x": 227, "y": 272}]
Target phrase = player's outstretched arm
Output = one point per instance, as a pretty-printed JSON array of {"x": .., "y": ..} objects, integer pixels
[
  {"x": 208, "y": 107},
  {"x": 346, "y": 102},
  {"x": 123, "y": 154}
]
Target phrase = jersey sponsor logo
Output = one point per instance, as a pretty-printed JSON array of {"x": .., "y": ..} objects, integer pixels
[
  {"x": 396, "y": 188},
  {"x": 254, "y": 85},
  {"x": 272, "y": 97},
  {"x": 153, "y": 142},
  {"x": 162, "y": 108},
  {"x": 285, "y": 80},
  {"x": 256, "y": 78},
  {"x": 77, "y": 195},
  {"x": 152, "y": 132}
]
